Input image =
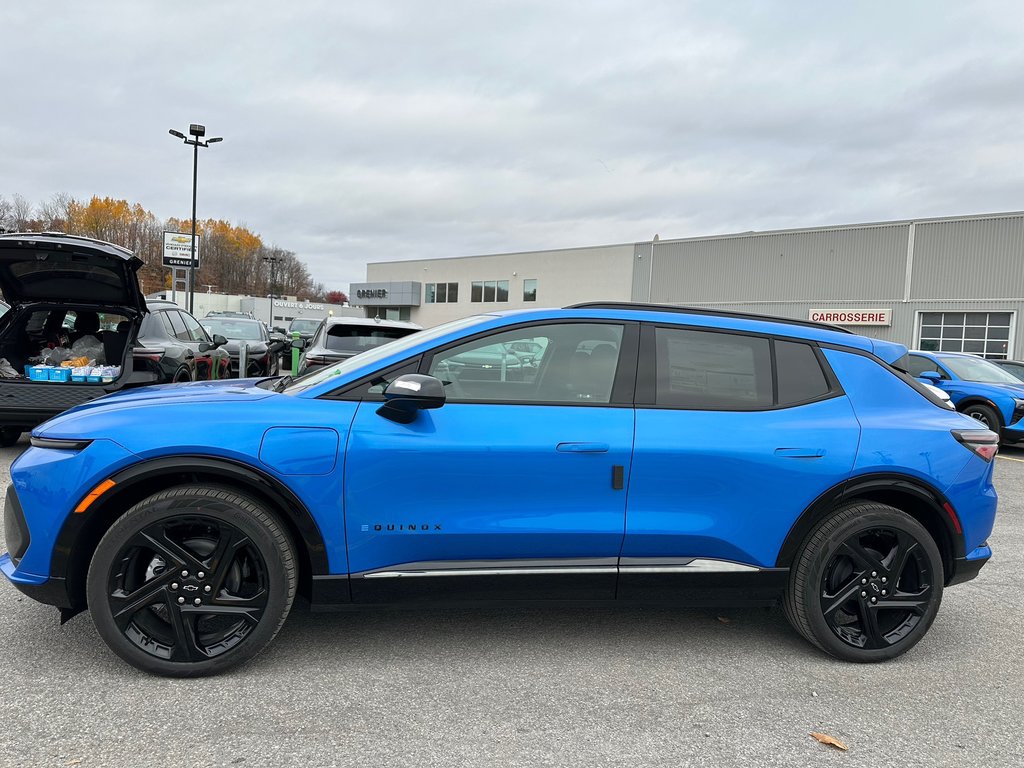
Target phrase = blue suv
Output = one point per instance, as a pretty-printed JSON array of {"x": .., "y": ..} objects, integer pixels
[
  {"x": 978, "y": 387},
  {"x": 639, "y": 453}
]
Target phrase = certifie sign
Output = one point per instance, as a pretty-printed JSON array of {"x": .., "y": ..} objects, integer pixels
[
  {"x": 851, "y": 316},
  {"x": 178, "y": 249}
]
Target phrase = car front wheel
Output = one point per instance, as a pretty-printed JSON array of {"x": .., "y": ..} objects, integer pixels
[
  {"x": 191, "y": 581},
  {"x": 984, "y": 414},
  {"x": 867, "y": 584}
]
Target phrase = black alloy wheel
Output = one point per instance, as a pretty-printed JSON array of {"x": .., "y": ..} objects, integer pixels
[
  {"x": 867, "y": 585},
  {"x": 984, "y": 414},
  {"x": 191, "y": 581},
  {"x": 182, "y": 375}
]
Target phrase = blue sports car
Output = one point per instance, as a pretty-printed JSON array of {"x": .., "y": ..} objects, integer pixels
[
  {"x": 660, "y": 455},
  {"x": 978, "y": 387}
]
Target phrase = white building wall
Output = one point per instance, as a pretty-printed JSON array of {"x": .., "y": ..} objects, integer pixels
[{"x": 563, "y": 277}]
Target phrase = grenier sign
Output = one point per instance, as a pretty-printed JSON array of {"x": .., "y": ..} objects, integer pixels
[
  {"x": 371, "y": 293},
  {"x": 837, "y": 316}
]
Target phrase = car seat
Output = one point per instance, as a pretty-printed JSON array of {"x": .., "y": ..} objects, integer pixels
[{"x": 115, "y": 342}]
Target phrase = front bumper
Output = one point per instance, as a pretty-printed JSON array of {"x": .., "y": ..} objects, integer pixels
[{"x": 51, "y": 591}]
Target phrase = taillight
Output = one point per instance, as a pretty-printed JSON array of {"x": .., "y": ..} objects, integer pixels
[{"x": 981, "y": 442}]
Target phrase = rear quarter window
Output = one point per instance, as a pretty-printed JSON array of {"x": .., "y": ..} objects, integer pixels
[{"x": 800, "y": 377}]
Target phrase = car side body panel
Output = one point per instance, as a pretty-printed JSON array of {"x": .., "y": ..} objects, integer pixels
[{"x": 728, "y": 484}]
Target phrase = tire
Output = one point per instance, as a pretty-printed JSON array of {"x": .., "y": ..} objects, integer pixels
[
  {"x": 866, "y": 584},
  {"x": 985, "y": 414},
  {"x": 182, "y": 375},
  {"x": 9, "y": 436},
  {"x": 191, "y": 581}
]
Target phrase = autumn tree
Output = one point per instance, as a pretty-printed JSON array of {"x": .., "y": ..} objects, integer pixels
[{"x": 233, "y": 258}]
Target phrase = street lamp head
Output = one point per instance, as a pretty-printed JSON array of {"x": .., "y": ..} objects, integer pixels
[
  {"x": 177, "y": 134},
  {"x": 197, "y": 130},
  {"x": 215, "y": 140}
]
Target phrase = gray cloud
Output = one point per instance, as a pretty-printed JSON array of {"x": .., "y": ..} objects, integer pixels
[{"x": 364, "y": 132}]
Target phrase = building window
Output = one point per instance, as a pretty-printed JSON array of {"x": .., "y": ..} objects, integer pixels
[
  {"x": 529, "y": 290},
  {"x": 441, "y": 293},
  {"x": 979, "y": 333},
  {"x": 489, "y": 290}
]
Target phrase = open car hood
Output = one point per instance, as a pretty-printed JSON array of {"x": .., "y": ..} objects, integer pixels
[{"x": 65, "y": 268}]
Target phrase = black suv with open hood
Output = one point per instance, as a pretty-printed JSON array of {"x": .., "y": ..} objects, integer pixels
[{"x": 74, "y": 300}]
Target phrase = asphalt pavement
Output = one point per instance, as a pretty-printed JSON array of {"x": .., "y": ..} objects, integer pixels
[{"x": 536, "y": 686}]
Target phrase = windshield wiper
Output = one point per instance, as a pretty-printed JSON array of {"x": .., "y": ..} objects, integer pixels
[{"x": 282, "y": 383}]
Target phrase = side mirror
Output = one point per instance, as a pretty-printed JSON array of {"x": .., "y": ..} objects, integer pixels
[
  {"x": 298, "y": 343},
  {"x": 411, "y": 393},
  {"x": 933, "y": 377}
]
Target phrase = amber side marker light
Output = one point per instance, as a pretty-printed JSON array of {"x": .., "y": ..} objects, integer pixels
[{"x": 94, "y": 494}]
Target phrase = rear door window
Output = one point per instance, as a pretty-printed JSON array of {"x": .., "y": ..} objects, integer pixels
[
  {"x": 178, "y": 329},
  {"x": 706, "y": 370}
]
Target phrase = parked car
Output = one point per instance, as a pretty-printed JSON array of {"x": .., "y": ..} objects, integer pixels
[
  {"x": 339, "y": 338},
  {"x": 304, "y": 326},
  {"x": 1015, "y": 367},
  {"x": 686, "y": 456},
  {"x": 978, "y": 387},
  {"x": 230, "y": 313},
  {"x": 74, "y": 297},
  {"x": 174, "y": 347},
  {"x": 261, "y": 352}
]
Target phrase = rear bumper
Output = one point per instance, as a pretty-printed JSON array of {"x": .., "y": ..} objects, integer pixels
[{"x": 966, "y": 568}]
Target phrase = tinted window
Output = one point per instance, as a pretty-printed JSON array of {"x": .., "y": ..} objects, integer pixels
[
  {"x": 799, "y": 373},
  {"x": 178, "y": 329},
  {"x": 700, "y": 369},
  {"x": 559, "y": 363},
  {"x": 195, "y": 330},
  {"x": 916, "y": 365},
  {"x": 358, "y": 338}
]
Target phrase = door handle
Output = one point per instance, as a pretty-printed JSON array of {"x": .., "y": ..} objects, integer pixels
[
  {"x": 800, "y": 453},
  {"x": 582, "y": 447}
]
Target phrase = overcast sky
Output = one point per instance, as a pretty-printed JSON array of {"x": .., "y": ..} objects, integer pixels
[{"x": 374, "y": 131}]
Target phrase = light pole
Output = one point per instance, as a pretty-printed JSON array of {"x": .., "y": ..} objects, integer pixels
[
  {"x": 196, "y": 132},
  {"x": 273, "y": 260}
]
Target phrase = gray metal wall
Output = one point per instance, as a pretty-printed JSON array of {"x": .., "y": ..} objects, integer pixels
[
  {"x": 973, "y": 263},
  {"x": 819, "y": 265}
]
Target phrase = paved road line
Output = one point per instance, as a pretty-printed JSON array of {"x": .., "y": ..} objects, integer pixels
[{"x": 1009, "y": 458}]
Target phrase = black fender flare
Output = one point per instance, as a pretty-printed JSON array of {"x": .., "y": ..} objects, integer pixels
[
  {"x": 142, "y": 479},
  {"x": 872, "y": 486}
]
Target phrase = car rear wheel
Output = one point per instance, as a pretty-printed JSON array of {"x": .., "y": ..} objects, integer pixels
[
  {"x": 985, "y": 414},
  {"x": 182, "y": 375},
  {"x": 191, "y": 581},
  {"x": 867, "y": 584}
]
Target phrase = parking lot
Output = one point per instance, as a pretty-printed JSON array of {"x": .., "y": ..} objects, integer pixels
[{"x": 536, "y": 686}]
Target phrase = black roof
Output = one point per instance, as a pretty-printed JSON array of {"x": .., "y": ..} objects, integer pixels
[{"x": 704, "y": 311}]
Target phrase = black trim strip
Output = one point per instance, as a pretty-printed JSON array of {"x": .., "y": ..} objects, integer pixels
[
  {"x": 682, "y": 310},
  {"x": 59, "y": 444}
]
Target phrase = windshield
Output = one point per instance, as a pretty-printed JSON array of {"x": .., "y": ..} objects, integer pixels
[
  {"x": 358, "y": 338},
  {"x": 246, "y": 330},
  {"x": 976, "y": 369},
  {"x": 303, "y": 325},
  {"x": 367, "y": 359}
]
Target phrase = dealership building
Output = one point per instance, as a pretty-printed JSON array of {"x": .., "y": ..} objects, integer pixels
[{"x": 950, "y": 284}]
